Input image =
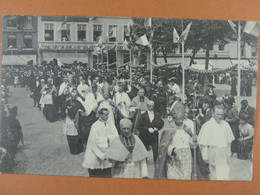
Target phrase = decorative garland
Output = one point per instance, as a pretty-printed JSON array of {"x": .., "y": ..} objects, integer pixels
[{"x": 217, "y": 71}]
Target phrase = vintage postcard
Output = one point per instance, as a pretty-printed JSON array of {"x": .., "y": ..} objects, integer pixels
[{"x": 122, "y": 97}]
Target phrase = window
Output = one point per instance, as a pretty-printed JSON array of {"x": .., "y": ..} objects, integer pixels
[
  {"x": 97, "y": 31},
  {"x": 112, "y": 33},
  {"x": 65, "y": 32},
  {"x": 12, "y": 41},
  {"x": 27, "y": 39},
  {"x": 27, "y": 22},
  {"x": 11, "y": 21},
  {"x": 126, "y": 33},
  {"x": 126, "y": 58},
  {"x": 82, "y": 32},
  {"x": 49, "y": 32}
]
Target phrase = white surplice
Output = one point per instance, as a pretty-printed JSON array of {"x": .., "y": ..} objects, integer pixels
[
  {"x": 119, "y": 98},
  {"x": 100, "y": 137},
  {"x": 215, "y": 140}
]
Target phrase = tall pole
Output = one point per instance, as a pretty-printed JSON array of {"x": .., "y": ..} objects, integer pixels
[
  {"x": 130, "y": 53},
  {"x": 182, "y": 64},
  {"x": 239, "y": 65},
  {"x": 151, "y": 66},
  {"x": 130, "y": 65},
  {"x": 151, "y": 57},
  {"x": 117, "y": 71},
  {"x": 107, "y": 57}
]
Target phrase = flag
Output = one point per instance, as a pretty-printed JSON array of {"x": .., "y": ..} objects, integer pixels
[
  {"x": 128, "y": 28},
  {"x": 99, "y": 40},
  {"x": 59, "y": 63},
  {"x": 112, "y": 33},
  {"x": 142, "y": 41},
  {"x": 151, "y": 37},
  {"x": 114, "y": 47},
  {"x": 176, "y": 37},
  {"x": 185, "y": 33},
  {"x": 107, "y": 37},
  {"x": 233, "y": 26},
  {"x": 125, "y": 45},
  {"x": 148, "y": 22},
  {"x": 64, "y": 22},
  {"x": 252, "y": 28}
]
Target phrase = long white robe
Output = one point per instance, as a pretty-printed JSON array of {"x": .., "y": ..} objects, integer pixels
[
  {"x": 100, "y": 138},
  {"x": 91, "y": 103},
  {"x": 83, "y": 89},
  {"x": 215, "y": 139},
  {"x": 119, "y": 98},
  {"x": 106, "y": 104}
]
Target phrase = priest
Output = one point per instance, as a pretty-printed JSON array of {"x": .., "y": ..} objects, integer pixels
[{"x": 128, "y": 154}]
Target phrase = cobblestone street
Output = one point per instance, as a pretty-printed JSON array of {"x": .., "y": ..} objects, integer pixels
[{"x": 46, "y": 151}]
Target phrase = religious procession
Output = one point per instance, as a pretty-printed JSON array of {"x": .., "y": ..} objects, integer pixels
[{"x": 118, "y": 117}]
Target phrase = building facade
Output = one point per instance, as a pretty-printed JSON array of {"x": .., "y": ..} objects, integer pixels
[
  {"x": 221, "y": 56},
  {"x": 70, "y": 39},
  {"x": 19, "y": 40}
]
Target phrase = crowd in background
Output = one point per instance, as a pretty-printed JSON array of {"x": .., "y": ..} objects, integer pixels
[{"x": 109, "y": 116}]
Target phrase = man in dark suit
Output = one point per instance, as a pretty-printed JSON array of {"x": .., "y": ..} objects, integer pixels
[
  {"x": 149, "y": 125},
  {"x": 36, "y": 90},
  {"x": 247, "y": 111},
  {"x": 161, "y": 100}
]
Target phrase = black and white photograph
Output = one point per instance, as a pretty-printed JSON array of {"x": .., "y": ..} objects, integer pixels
[{"x": 128, "y": 97}]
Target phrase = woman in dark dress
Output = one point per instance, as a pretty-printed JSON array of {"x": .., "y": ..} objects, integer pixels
[
  {"x": 233, "y": 91},
  {"x": 245, "y": 141},
  {"x": 231, "y": 116}
]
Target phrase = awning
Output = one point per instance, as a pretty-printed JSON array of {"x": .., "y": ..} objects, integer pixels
[
  {"x": 27, "y": 36},
  {"x": 18, "y": 59},
  {"x": 66, "y": 58},
  {"x": 11, "y": 36}
]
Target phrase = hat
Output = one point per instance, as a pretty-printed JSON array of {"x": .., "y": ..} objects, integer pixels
[
  {"x": 229, "y": 99},
  {"x": 210, "y": 85},
  {"x": 172, "y": 79}
]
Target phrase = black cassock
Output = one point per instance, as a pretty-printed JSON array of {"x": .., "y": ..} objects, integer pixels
[{"x": 75, "y": 142}]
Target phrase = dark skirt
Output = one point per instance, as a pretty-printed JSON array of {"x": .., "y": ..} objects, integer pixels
[
  {"x": 50, "y": 112},
  {"x": 233, "y": 90},
  {"x": 244, "y": 149},
  {"x": 85, "y": 126},
  {"x": 75, "y": 144}
]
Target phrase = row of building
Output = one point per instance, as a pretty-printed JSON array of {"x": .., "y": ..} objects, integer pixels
[{"x": 36, "y": 39}]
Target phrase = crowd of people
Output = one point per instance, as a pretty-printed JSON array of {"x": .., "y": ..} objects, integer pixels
[{"x": 116, "y": 121}]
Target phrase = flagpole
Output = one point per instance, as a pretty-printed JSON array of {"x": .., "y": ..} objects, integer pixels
[
  {"x": 117, "y": 72},
  {"x": 130, "y": 52},
  {"x": 151, "y": 66},
  {"x": 239, "y": 65},
  {"x": 130, "y": 65},
  {"x": 151, "y": 57},
  {"x": 107, "y": 58},
  {"x": 182, "y": 62}
]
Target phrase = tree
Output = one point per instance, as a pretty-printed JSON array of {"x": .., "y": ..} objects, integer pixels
[{"x": 162, "y": 36}]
